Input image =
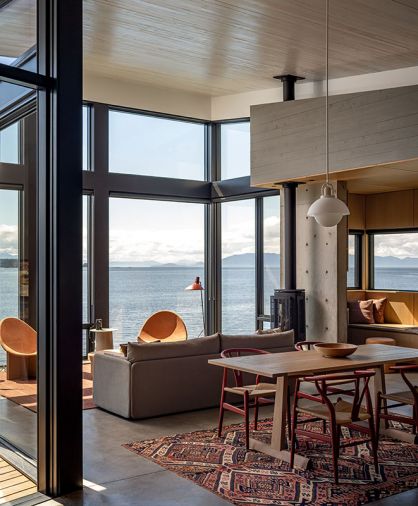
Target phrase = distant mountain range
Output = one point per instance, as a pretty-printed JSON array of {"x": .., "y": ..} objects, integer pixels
[
  {"x": 394, "y": 262},
  {"x": 245, "y": 260}
]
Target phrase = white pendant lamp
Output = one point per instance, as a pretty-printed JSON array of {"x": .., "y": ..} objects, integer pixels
[{"x": 328, "y": 210}]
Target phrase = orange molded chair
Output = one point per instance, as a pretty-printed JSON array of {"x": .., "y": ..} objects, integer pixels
[
  {"x": 19, "y": 341},
  {"x": 163, "y": 326}
]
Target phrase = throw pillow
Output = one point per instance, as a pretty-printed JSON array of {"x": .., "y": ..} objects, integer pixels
[
  {"x": 269, "y": 331},
  {"x": 360, "y": 311},
  {"x": 379, "y": 306}
]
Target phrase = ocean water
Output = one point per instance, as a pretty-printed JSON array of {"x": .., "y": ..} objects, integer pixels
[{"x": 136, "y": 293}]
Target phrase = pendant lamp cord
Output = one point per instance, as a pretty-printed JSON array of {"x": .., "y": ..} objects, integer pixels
[{"x": 326, "y": 92}]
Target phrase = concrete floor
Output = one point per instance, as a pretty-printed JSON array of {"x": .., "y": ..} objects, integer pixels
[{"x": 115, "y": 476}]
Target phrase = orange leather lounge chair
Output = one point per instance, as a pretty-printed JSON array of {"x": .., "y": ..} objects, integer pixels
[{"x": 19, "y": 341}]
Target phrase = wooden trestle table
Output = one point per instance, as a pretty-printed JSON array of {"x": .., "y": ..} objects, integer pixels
[{"x": 283, "y": 366}]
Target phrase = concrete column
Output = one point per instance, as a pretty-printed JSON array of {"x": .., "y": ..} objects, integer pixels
[{"x": 322, "y": 268}]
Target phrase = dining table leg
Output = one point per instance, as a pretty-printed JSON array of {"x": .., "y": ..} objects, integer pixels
[
  {"x": 278, "y": 433},
  {"x": 278, "y": 446}
]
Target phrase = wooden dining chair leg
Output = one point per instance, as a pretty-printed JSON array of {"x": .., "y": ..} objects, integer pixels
[
  {"x": 289, "y": 416},
  {"x": 221, "y": 406},
  {"x": 385, "y": 409},
  {"x": 378, "y": 413},
  {"x": 221, "y": 418},
  {"x": 335, "y": 439},
  {"x": 247, "y": 420},
  {"x": 256, "y": 406},
  {"x": 374, "y": 443},
  {"x": 415, "y": 414},
  {"x": 293, "y": 439}
]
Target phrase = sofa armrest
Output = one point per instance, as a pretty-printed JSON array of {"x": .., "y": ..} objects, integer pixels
[{"x": 112, "y": 384}]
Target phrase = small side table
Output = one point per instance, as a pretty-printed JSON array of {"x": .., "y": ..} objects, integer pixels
[
  {"x": 103, "y": 339},
  {"x": 90, "y": 358}
]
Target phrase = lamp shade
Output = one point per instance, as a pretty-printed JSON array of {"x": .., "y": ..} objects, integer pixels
[
  {"x": 197, "y": 285},
  {"x": 328, "y": 210}
]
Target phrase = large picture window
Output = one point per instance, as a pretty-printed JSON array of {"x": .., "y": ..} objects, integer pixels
[
  {"x": 271, "y": 235},
  {"x": 235, "y": 150},
  {"x": 86, "y": 137},
  {"x": 354, "y": 271},
  {"x": 9, "y": 144},
  {"x": 394, "y": 259},
  {"x": 156, "y": 250},
  {"x": 238, "y": 267},
  {"x": 155, "y": 146}
]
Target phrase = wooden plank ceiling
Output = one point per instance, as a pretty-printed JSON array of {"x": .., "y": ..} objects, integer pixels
[{"x": 220, "y": 47}]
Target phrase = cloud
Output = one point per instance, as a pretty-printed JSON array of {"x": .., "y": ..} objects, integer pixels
[
  {"x": 165, "y": 246},
  {"x": 9, "y": 239},
  {"x": 272, "y": 234},
  {"x": 398, "y": 245}
]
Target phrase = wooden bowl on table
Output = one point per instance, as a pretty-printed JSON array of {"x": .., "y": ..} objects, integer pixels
[{"x": 335, "y": 350}]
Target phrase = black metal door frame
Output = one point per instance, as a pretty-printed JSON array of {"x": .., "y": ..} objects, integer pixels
[{"x": 58, "y": 83}]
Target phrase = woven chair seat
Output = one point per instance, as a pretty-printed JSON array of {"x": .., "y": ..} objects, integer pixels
[
  {"x": 403, "y": 397},
  {"x": 262, "y": 389},
  {"x": 340, "y": 382},
  {"x": 342, "y": 411}
]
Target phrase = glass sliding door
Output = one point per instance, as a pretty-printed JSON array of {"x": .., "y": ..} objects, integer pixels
[
  {"x": 9, "y": 256},
  {"x": 156, "y": 251},
  {"x": 238, "y": 267},
  {"x": 271, "y": 249},
  {"x": 87, "y": 269},
  {"x": 18, "y": 374},
  {"x": 44, "y": 423}
]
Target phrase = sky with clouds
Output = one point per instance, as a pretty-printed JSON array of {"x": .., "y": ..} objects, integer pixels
[{"x": 172, "y": 232}]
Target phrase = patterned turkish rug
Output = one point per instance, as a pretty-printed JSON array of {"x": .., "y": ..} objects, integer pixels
[{"x": 223, "y": 466}]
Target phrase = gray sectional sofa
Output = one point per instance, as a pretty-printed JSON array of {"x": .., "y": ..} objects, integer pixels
[{"x": 162, "y": 378}]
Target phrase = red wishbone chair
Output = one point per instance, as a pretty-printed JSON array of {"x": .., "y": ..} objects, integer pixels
[
  {"x": 405, "y": 398},
  {"x": 333, "y": 387},
  {"x": 253, "y": 395},
  {"x": 340, "y": 413}
]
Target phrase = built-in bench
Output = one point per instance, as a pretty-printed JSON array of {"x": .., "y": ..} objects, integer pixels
[{"x": 401, "y": 318}]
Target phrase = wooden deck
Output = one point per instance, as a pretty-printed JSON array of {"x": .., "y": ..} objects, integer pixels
[{"x": 14, "y": 486}]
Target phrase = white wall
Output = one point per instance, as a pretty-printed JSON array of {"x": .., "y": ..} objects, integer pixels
[
  {"x": 238, "y": 106},
  {"x": 150, "y": 98}
]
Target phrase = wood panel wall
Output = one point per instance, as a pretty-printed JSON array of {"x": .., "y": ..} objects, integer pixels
[
  {"x": 357, "y": 205},
  {"x": 380, "y": 211}
]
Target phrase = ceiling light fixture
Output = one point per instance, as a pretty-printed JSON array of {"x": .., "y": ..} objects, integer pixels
[{"x": 328, "y": 210}]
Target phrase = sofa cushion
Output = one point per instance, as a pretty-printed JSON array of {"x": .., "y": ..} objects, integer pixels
[
  {"x": 360, "y": 311},
  {"x": 208, "y": 345},
  {"x": 264, "y": 342}
]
